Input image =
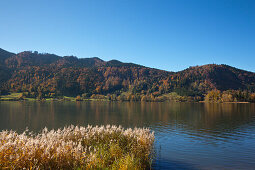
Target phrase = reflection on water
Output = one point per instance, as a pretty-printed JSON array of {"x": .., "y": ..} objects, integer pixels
[{"x": 188, "y": 135}]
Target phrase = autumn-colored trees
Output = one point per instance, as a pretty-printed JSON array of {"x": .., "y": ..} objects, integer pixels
[
  {"x": 229, "y": 96},
  {"x": 50, "y": 76},
  {"x": 213, "y": 96}
]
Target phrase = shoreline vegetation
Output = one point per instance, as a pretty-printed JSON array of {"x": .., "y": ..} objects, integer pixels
[
  {"x": 213, "y": 96},
  {"x": 74, "y": 147}
]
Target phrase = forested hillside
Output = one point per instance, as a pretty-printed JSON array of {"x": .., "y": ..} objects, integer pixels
[{"x": 49, "y": 75}]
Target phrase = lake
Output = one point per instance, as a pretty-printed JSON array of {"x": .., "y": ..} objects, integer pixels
[{"x": 188, "y": 135}]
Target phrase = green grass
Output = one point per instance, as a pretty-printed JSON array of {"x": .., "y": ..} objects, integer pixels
[
  {"x": 30, "y": 99},
  {"x": 16, "y": 96},
  {"x": 69, "y": 98},
  {"x": 12, "y": 96}
]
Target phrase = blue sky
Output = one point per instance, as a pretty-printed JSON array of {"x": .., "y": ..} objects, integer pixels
[{"x": 165, "y": 34}]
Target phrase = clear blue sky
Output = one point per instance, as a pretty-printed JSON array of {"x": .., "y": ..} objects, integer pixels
[{"x": 165, "y": 34}]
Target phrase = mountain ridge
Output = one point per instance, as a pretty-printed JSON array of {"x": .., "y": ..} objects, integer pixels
[{"x": 68, "y": 75}]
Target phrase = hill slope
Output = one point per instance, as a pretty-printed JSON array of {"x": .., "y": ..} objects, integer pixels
[{"x": 51, "y": 74}]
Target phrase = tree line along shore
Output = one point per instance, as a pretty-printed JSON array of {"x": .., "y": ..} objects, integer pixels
[{"x": 212, "y": 96}]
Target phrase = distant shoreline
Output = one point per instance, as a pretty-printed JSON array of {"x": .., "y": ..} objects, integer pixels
[
  {"x": 211, "y": 97},
  {"x": 86, "y": 100},
  {"x": 222, "y": 102}
]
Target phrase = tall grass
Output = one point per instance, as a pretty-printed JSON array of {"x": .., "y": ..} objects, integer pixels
[{"x": 76, "y": 147}]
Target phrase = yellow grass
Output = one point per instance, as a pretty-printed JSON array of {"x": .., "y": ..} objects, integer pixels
[
  {"x": 73, "y": 147},
  {"x": 12, "y": 96}
]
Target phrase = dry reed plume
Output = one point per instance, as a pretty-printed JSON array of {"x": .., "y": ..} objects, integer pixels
[{"x": 77, "y": 148}]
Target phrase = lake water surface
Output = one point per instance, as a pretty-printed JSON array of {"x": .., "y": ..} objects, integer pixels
[{"x": 188, "y": 135}]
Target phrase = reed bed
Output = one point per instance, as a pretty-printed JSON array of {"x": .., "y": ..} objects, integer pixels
[{"x": 76, "y": 147}]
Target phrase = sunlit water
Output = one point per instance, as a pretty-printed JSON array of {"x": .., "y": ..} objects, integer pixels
[{"x": 188, "y": 135}]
